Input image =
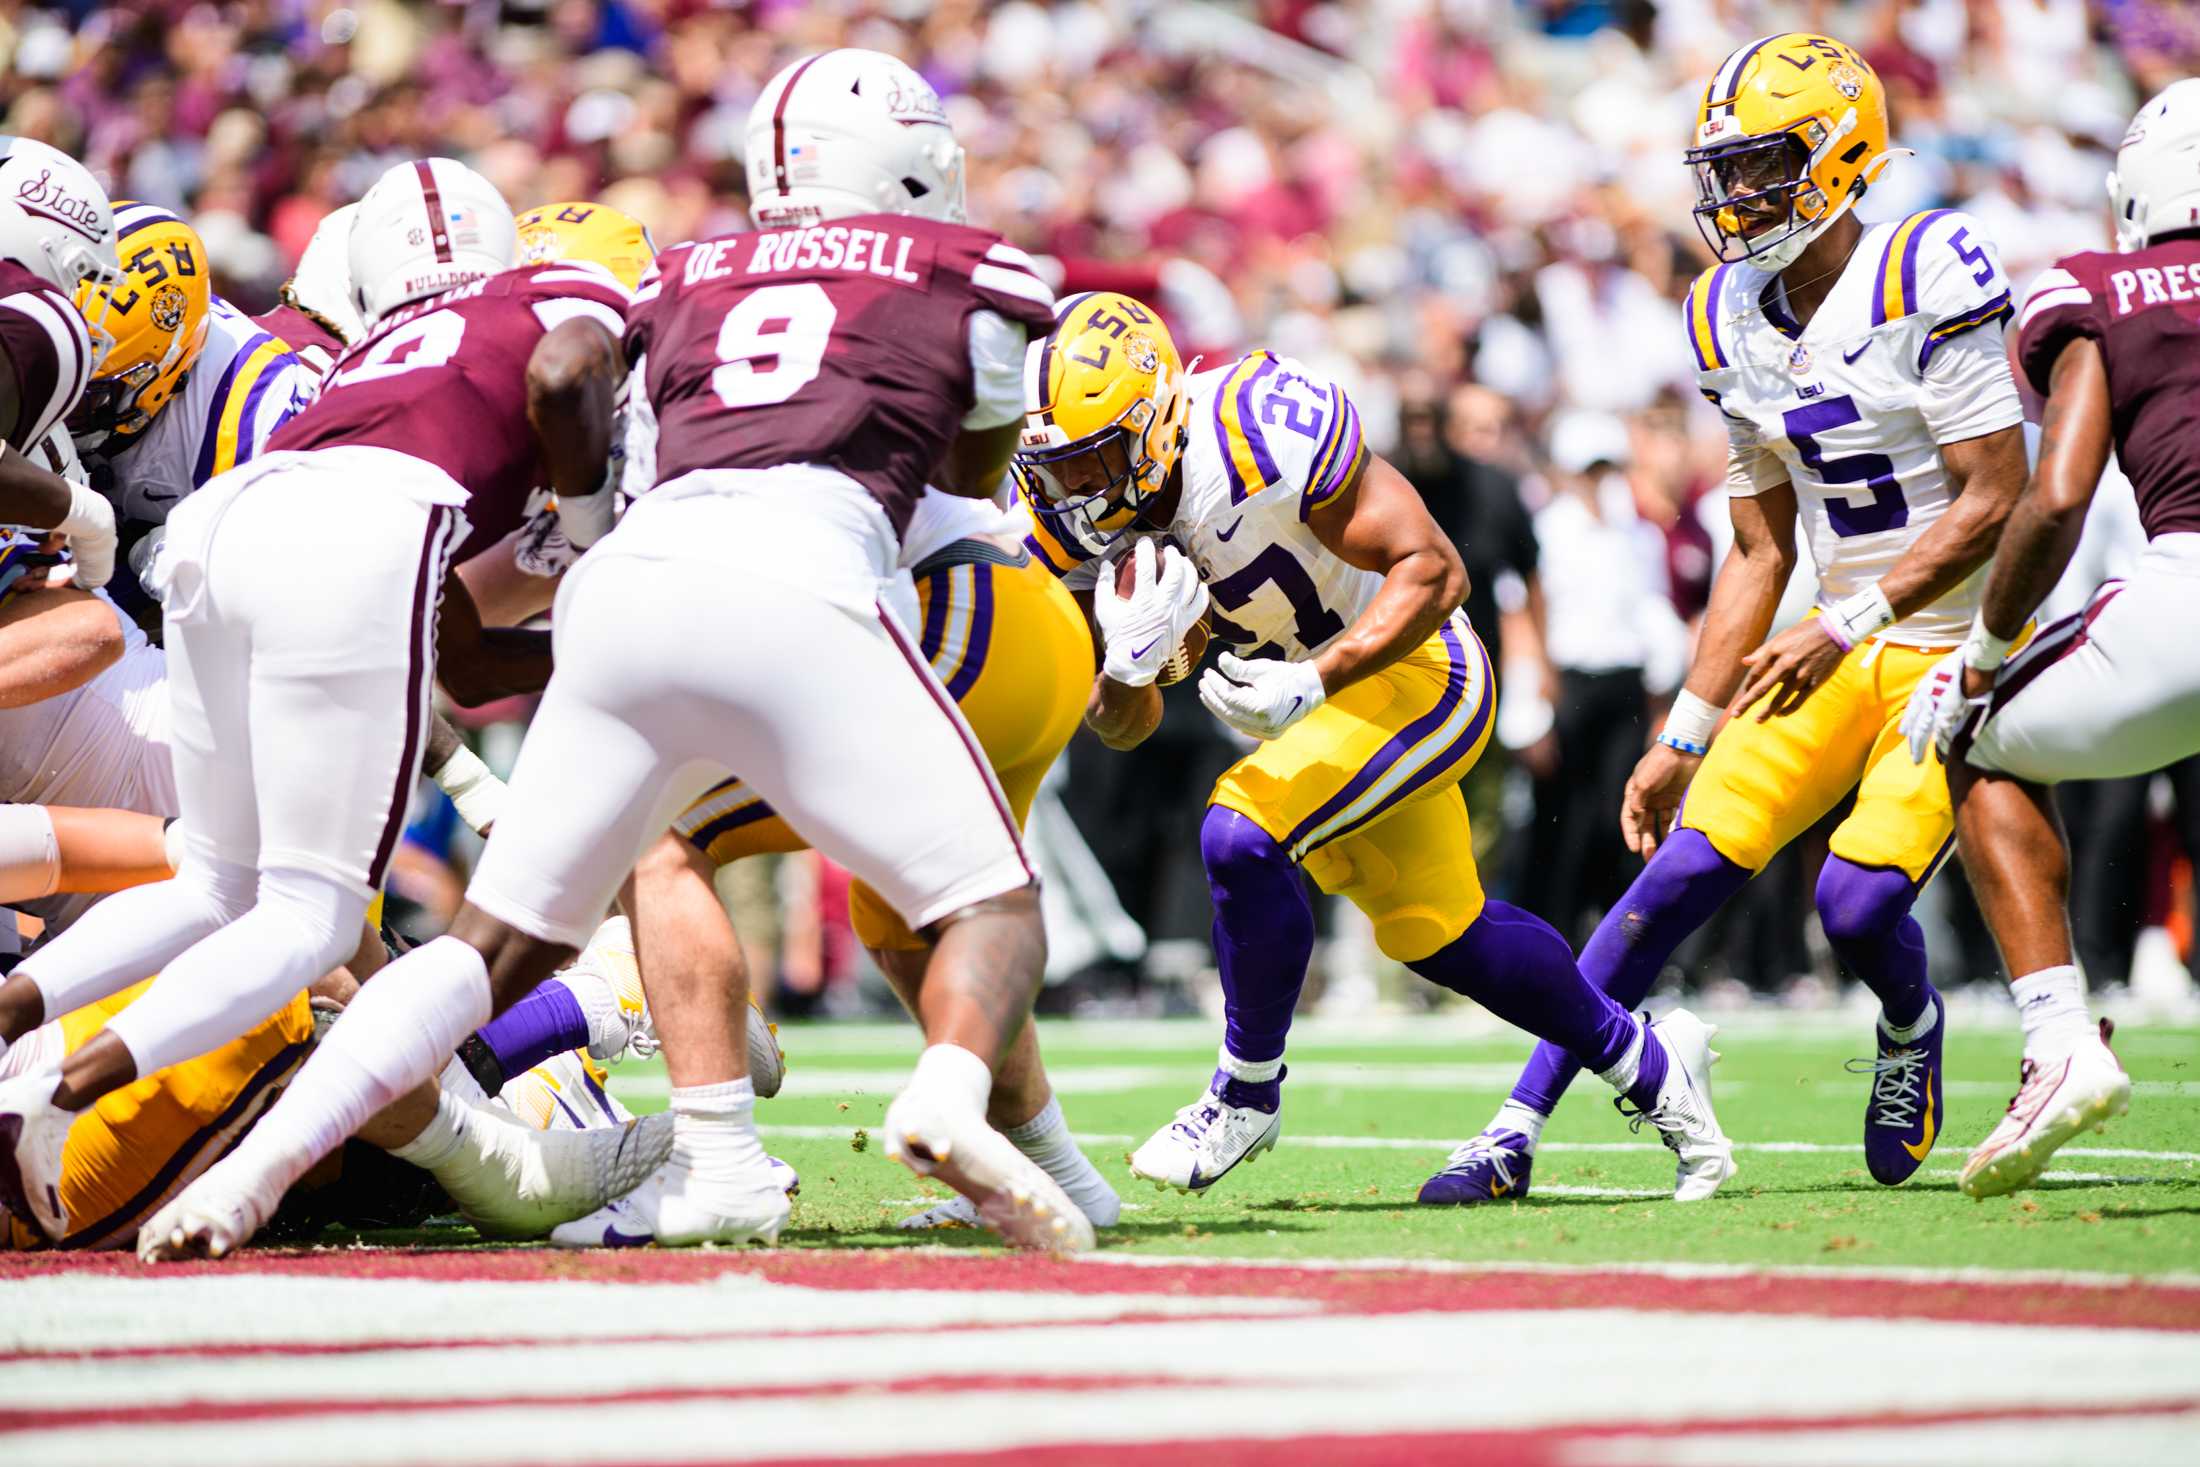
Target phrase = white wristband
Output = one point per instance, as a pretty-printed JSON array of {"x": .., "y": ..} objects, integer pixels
[
  {"x": 1692, "y": 719},
  {"x": 1984, "y": 650},
  {"x": 473, "y": 788},
  {"x": 1851, "y": 620}
]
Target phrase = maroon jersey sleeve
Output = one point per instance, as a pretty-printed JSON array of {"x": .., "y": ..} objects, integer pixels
[
  {"x": 1005, "y": 279},
  {"x": 310, "y": 341},
  {"x": 48, "y": 351},
  {"x": 2143, "y": 311}
]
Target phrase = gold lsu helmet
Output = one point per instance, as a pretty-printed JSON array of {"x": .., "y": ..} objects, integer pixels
[
  {"x": 1790, "y": 132},
  {"x": 581, "y": 231},
  {"x": 1107, "y": 415},
  {"x": 158, "y": 314}
]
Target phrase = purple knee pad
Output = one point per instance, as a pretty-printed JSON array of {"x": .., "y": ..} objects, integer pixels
[{"x": 1865, "y": 911}]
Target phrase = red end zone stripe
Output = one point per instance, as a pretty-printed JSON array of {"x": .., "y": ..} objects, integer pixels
[{"x": 2139, "y": 1304}]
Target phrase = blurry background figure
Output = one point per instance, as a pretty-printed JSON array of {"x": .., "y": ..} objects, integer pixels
[{"x": 1608, "y": 622}]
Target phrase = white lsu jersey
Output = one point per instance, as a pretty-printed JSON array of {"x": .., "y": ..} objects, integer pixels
[
  {"x": 245, "y": 384},
  {"x": 1270, "y": 443},
  {"x": 1905, "y": 355}
]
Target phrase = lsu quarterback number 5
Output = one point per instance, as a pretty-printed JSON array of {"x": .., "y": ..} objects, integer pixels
[{"x": 1888, "y": 510}]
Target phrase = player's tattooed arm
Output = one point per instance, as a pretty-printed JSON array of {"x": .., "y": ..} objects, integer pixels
[
  {"x": 478, "y": 664},
  {"x": 977, "y": 461},
  {"x": 1123, "y": 717},
  {"x": 1378, "y": 523},
  {"x": 53, "y": 641},
  {"x": 2043, "y": 530}
]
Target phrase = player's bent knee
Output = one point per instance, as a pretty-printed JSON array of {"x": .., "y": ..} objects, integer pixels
[
  {"x": 1230, "y": 841},
  {"x": 323, "y": 916},
  {"x": 878, "y": 926},
  {"x": 30, "y": 854},
  {"x": 1861, "y": 903},
  {"x": 670, "y": 858},
  {"x": 1416, "y": 913}
]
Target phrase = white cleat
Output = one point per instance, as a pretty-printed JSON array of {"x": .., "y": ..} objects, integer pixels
[
  {"x": 767, "y": 1062},
  {"x": 33, "y": 1131},
  {"x": 955, "y": 1212},
  {"x": 212, "y": 1218},
  {"x": 670, "y": 1210},
  {"x": 1683, "y": 1116},
  {"x": 1008, "y": 1191},
  {"x": 1208, "y": 1139},
  {"x": 2054, "y": 1103},
  {"x": 513, "y": 1181}
]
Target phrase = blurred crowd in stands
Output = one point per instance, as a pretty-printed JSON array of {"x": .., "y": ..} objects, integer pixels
[{"x": 1470, "y": 212}]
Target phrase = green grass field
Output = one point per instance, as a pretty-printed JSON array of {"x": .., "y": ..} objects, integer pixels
[{"x": 1368, "y": 1114}]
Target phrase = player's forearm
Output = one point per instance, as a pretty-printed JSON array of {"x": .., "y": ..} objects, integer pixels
[
  {"x": 30, "y": 496},
  {"x": 2035, "y": 551},
  {"x": 1744, "y": 598},
  {"x": 573, "y": 378},
  {"x": 1987, "y": 474},
  {"x": 1122, "y": 716},
  {"x": 53, "y": 642},
  {"x": 1416, "y": 595}
]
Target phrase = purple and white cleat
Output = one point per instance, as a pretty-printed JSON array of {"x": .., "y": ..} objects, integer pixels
[
  {"x": 1235, "y": 1121},
  {"x": 673, "y": 1209},
  {"x": 1493, "y": 1167}
]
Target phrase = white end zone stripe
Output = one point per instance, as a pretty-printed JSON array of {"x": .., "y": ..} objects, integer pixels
[
  {"x": 72, "y": 346},
  {"x": 555, "y": 313},
  {"x": 1012, "y": 282}
]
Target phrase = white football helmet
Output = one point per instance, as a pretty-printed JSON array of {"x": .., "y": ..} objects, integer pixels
[
  {"x": 2155, "y": 188},
  {"x": 851, "y": 132},
  {"x": 423, "y": 228},
  {"x": 55, "y": 219},
  {"x": 321, "y": 285}
]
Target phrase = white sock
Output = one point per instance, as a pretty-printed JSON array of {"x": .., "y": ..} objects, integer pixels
[
  {"x": 1911, "y": 1033},
  {"x": 957, "y": 1071},
  {"x": 1513, "y": 1116},
  {"x": 714, "y": 1139},
  {"x": 1622, "y": 1076},
  {"x": 399, "y": 1031},
  {"x": 2052, "y": 1005},
  {"x": 1046, "y": 1140},
  {"x": 302, "y": 926},
  {"x": 136, "y": 933},
  {"x": 1252, "y": 1072},
  {"x": 443, "y": 1138}
]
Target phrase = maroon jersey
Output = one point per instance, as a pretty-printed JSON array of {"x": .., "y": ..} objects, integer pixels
[
  {"x": 844, "y": 344},
  {"x": 47, "y": 350},
  {"x": 445, "y": 380},
  {"x": 2143, "y": 311},
  {"x": 309, "y": 341}
]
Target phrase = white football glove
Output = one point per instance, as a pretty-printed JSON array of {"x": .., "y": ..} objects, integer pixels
[
  {"x": 1938, "y": 707},
  {"x": 90, "y": 526},
  {"x": 1261, "y": 698},
  {"x": 1142, "y": 631},
  {"x": 544, "y": 548}
]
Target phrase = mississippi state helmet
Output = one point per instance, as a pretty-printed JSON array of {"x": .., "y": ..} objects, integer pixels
[
  {"x": 158, "y": 314},
  {"x": 55, "y": 220},
  {"x": 1107, "y": 416},
  {"x": 321, "y": 285},
  {"x": 423, "y": 228},
  {"x": 596, "y": 233},
  {"x": 851, "y": 132},
  {"x": 2155, "y": 188},
  {"x": 1790, "y": 132}
]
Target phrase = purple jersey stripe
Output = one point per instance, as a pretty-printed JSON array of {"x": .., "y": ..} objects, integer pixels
[
  {"x": 1238, "y": 491},
  {"x": 1333, "y": 475},
  {"x": 935, "y": 616},
  {"x": 980, "y": 639},
  {"x": 1455, "y": 683},
  {"x": 1909, "y": 257},
  {"x": 204, "y": 469},
  {"x": 1714, "y": 293},
  {"x": 1249, "y": 422},
  {"x": 1997, "y": 309},
  {"x": 732, "y": 820}
]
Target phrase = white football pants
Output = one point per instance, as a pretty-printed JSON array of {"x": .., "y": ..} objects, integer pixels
[
  {"x": 2112, "y": 691},
  {"x": 726, "y": 633}
]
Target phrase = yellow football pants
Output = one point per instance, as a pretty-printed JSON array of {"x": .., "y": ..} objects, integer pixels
[
  {"x": 1763, "y": 784},
  {"x": 1013, "y": 650},
  {"x": 1364, "y": 791}
]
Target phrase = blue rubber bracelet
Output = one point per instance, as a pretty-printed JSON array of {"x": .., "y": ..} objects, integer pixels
[{"x": 1686, "y": 746}]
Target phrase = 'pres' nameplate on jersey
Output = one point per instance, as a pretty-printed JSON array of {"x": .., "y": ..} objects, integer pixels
[
  {"x": 446, "y": 382},
  {"x": 1271, "y": 442},
  {"x": 1903, "y": 356}
]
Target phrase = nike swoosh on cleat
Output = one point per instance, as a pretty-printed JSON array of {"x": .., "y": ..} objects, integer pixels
[
  {"x": 1850, "y": 356},
  {"x": 613, "y": 1238},
  {"x": 1917, "y": 1152},
  {"x": 1226, "y": 534}
]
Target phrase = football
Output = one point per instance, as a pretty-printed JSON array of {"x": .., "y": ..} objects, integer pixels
[{"x": 1185, "y": 660}]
